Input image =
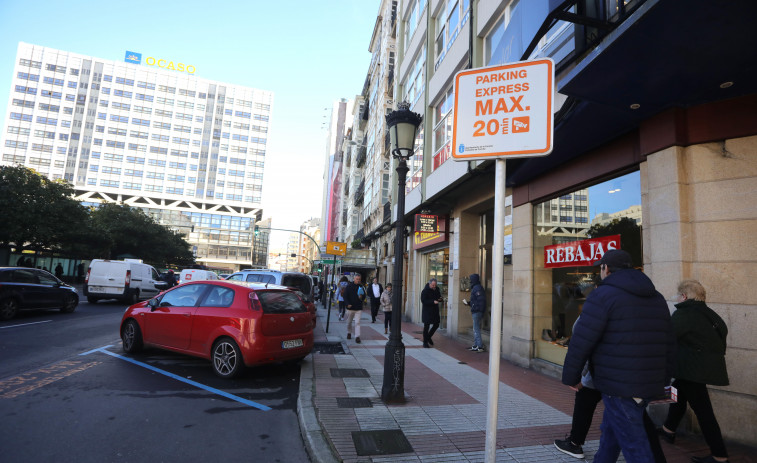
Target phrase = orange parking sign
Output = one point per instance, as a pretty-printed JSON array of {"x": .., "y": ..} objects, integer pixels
[
  {"x": 504, "y": 111},
  {"x": 336, "y": 248}
]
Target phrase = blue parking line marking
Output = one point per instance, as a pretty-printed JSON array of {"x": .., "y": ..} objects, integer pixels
[
  {"x": 99, "y": 349},
  {"x": 184, "y": 380}
]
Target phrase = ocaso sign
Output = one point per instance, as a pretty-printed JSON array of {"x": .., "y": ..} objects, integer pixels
[
  {"x": 165, "y": 64},
  {"x": 579, "y": 253}
]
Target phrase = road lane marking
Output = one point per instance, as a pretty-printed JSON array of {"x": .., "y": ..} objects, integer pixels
[
  {"x": 182, "y": 379},
  {"x": 26, "y": 382},
  {"x": 23, "y": 324}
]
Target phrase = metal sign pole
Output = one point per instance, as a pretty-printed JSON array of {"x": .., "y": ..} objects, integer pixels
[
  {"x": 330, "y": 295},
  {"x": 498, "y": 277}
]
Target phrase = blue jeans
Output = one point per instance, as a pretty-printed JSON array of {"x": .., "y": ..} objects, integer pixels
[
  {"x": 623, "y": 430},
  {"x": 478, "y": 317}
]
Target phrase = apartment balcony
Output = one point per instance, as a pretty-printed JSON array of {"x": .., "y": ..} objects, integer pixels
[
  {"x": 361, "y": 156},
  {"x": 366, "y": 111},
  {"x": 359, "y": 193},
  {"x": 347, "y": 189},
  {"x": 366, "y": 86},
  {"x": 387, "y": 213}
]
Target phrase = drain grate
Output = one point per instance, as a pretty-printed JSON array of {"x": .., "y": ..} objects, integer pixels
[
  {"x": 387, "y": 442},
  {"x": 354, "y": 402},
  {"x": 328, "y": 347},
  {"x": 349, "y": 373},
  {"x": 463, "y": 363}
]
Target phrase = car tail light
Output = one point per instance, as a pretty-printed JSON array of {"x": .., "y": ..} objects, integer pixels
[
  {"x": 128, "y": 278},
  {"x": 86, "y": 279},
  {"x": 255, "y": 302}
]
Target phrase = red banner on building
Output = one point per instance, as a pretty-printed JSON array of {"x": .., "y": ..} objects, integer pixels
[{"x": 579, "y": 253}]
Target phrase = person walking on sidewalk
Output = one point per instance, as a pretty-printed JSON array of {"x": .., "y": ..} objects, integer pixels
[
  {"x": 587, "y": 398},
  {"x": 343, "y": 282},
  {"x": 354, "y": 305},
  {"x": 431, "y": 297},
  {"x": 477, "y": 310},
  {"x": 626, "y": 335},
  {"x": 700, "y": 360},
  {"x": 374, "y": 294},
  {"x": 386, "y": 307}
]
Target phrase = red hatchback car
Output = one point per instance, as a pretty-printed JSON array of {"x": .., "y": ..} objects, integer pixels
[{"x": 232, "y": 324}]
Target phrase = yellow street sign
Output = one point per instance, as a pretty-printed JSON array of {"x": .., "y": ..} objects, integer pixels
[{"x": 336, "y": 248}]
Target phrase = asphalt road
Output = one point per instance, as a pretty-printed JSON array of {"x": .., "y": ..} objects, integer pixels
[{"x": 107, "y": 406}]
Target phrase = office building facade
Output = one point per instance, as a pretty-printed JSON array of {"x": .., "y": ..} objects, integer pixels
[{"x": 150, "y": 133}]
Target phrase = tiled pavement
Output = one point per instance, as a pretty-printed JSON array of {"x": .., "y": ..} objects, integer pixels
[{"x": 444, "y": 419}]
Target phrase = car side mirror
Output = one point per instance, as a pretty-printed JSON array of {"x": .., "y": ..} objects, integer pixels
[
  {"x": 161, "y": 285},
  {"x": 153, "y": 304}
]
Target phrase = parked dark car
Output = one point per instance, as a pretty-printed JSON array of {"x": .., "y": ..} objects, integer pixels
[{"x": 30, "y": 288}]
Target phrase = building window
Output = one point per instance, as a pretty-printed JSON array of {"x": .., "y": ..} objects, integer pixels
[
  {"x": 414, "y": 19},
  {"x": 416, "y": 81},
  {"x": 450, "y": 21},
  {"x": 568, "y": 245},
  {"x": 442, "y": 137}
]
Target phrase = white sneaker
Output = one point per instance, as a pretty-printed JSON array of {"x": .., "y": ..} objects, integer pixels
[{"x": 473, "y": 348}]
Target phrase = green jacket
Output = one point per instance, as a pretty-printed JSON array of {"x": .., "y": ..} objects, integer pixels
[{"x": 701, "y": 335}]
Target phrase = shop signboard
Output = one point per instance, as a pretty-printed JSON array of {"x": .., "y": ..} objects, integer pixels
[
  {"x": 581, "y": 253},
  {"x": 424, "y": 240},
  {"x": 504, "y": 111},
  {"x": 425, "y": 223}
]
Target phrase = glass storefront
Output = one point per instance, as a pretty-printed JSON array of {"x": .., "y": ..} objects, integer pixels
[
  {"x": 437, "y": 265},
  {"x": 570, "y": 233}
]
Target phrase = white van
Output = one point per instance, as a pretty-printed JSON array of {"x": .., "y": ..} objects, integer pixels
[
  {"x": 128, "y": 280},
  {"x": 194, "y": 274}
]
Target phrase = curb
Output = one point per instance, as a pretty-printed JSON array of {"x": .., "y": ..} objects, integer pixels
[{"x": 316, "y": 444}]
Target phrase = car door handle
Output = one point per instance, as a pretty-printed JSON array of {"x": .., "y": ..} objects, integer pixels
[{"x": 187, "y": 314}]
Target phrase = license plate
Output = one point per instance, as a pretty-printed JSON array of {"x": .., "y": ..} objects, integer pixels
[
  {"x": 96, "y": 289},
  {"x": 291, "y": 344}
]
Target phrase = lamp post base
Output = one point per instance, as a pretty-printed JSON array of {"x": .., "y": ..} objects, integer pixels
[{"x": 393, "y": 389}]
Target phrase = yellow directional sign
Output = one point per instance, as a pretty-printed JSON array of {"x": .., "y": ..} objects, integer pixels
[{"x": 336, "y": 248}]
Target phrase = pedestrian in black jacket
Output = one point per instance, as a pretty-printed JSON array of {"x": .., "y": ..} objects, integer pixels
[
  {"x": 477, "y": 310},
  {"x": 625, "y": 334},
  {"x": 700, "y": 360},
  {"x": 354, "y": 295},
  {"x": 374, "y": 294},
  {"x": 431, "y": 297}
]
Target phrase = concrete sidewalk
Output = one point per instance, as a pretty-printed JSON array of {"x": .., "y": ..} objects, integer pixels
[{"x": 444, "y": 419}]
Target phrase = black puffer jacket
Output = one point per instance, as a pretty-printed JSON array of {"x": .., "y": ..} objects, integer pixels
[
  {"x": 477, "y": 294},
  {"x": 626, "y": 335}
]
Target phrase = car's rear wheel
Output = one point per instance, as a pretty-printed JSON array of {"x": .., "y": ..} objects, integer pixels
[
  {"x": 69, "y": 303},
  {"x": 92, "y": 300},
  {"x": 131, "y": 336},
  {"x": 227, "y": 358},
  {"x": 8, "y": 308}
]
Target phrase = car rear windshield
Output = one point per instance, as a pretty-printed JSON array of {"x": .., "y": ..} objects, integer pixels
[
  {"x": 300, "y": 282},
  {"x": 280, "y": 302}
]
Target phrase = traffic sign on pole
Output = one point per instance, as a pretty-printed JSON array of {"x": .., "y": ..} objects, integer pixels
[
  {"x": 504, "y": 111},
  {"x": 501, "y": 112}
]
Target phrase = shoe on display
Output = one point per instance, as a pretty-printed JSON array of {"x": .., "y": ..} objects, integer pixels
[
  {"x": 669, "y": 437},
  {"x": 357, "y": 339},
  {"x": 707, "y": 459},
  {"x": 349, "y": 336},
  {"x": 546, "y": 335},
  {"x": 566, "y": 446}
]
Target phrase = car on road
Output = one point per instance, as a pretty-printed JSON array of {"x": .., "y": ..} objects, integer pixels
[
  {"x": 128, "y": 280},
  {"x": 30, "y": 288},
  {"x": 232, "y": 324},
  {"x": 294, "y": 280}
]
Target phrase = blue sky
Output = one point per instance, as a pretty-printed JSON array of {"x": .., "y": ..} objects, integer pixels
[{"x": 309, "y": 53}]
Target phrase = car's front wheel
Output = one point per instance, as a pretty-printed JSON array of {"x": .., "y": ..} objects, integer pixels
[
  {"x": 131, "y": 336},
  {"x": 8, "y": 308},
  {"x": 69, "y": 303},
  {"x": 227, "y": 358}
]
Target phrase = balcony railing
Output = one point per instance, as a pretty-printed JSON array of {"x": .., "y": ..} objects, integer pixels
[
  {"x": 359, "y": 193},
  {"x": 361, "y": 155}
]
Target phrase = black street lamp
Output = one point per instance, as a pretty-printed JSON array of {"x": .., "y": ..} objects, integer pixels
[{"x": 402, "y": 125}]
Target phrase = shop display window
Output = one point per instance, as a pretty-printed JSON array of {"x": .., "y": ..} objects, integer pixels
[{"x": 570, "y": 233}]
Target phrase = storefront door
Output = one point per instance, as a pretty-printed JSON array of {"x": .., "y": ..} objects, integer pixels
[{"x": 437, "y": 265}]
